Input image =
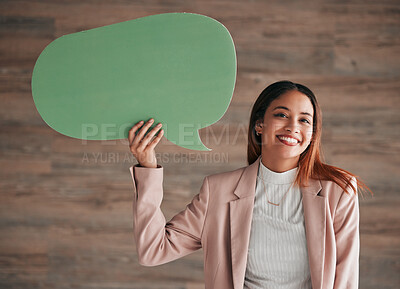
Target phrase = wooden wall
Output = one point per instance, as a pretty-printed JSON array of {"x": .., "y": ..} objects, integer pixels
[{"x": 65, "y": 206}]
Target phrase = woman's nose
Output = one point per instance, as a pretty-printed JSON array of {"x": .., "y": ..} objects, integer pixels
[{"x": 292, "y": 127}]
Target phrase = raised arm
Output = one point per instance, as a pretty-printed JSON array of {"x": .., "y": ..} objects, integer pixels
[
  {"x": 346, "y": 225},
  {"x": 158, "y": 242}
]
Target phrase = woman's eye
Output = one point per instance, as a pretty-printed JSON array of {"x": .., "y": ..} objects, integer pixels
[{"x": 284, "y": 115}]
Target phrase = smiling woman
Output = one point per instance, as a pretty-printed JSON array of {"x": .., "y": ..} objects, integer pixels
[
  {"x": 285, "y": 128},
  {"x": 287, "y": 220}
]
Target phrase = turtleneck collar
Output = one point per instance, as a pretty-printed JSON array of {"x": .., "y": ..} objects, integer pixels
[{"x": 269, "y": 176}]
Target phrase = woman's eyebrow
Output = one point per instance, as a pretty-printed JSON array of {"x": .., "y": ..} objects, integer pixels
[{"x": 284, "y": 107}]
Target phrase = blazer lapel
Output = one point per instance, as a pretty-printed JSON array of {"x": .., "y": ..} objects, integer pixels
[
  {"x": 314, "y": 206},
  {"x": 241, "y": 213}
]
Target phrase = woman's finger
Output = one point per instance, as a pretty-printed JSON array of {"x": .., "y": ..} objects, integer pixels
[
  {"x": 149, "y": 136},
  {"x": 141, "y": 133},
  {"x": 133, "y": 130},
  {"x": 156, "y": 140}
]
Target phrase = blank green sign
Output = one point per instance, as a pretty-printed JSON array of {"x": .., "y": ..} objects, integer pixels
[{"x": 179, "y": 68}]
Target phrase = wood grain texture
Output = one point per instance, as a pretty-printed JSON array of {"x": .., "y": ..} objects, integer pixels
[{"x": 65, "y": 204}]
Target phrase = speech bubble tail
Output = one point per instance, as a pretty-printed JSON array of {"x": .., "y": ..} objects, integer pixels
[
  {"x": 189, "y": 139},
  {"x": 196, "y": 144}
]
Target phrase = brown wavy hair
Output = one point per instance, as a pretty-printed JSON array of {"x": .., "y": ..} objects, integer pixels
[{"x": 311, "y": 163}]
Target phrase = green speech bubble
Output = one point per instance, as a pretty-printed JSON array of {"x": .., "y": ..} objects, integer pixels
[{"x": 178, "y": 68}]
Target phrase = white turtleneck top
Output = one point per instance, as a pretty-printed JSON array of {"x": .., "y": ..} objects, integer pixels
[{"x": 277, "y": 254}]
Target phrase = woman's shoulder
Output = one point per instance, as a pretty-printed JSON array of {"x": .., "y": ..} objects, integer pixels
[
  {"x": 336, "y": 180},
  {"x": 334, "y": 187},
  {"x": 336, "y": 194},
  {"x": 342, "y": 205},
  {"x": 222, "y": 185}
]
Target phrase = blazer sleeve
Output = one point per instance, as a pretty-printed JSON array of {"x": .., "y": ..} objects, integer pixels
[
  {"x": 346, "y": 226},
  {"x": 158, "y": 242}
]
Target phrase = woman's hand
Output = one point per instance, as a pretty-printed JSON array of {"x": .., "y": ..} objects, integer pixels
[{"x": 142, "y": 148}]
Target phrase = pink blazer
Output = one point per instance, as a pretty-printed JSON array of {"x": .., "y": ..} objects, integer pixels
[{"x": 219, "y": 218}]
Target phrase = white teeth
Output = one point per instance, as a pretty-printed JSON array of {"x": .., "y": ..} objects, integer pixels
[{"x": 288, "y": 139}]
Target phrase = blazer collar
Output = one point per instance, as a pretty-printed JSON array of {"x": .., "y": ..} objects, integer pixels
[{"x": 241, "y": 212}]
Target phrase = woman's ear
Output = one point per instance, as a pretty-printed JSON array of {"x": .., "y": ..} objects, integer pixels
[{"x": 258, "y": 127}]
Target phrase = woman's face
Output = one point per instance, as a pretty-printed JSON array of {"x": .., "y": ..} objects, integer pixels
[{"x": 288, "y": 126}]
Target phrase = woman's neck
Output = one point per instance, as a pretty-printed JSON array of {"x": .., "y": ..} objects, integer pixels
[{"x": 279, "y": 165}]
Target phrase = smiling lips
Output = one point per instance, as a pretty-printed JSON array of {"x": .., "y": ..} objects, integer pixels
[{"x": 288, "y": 140}]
